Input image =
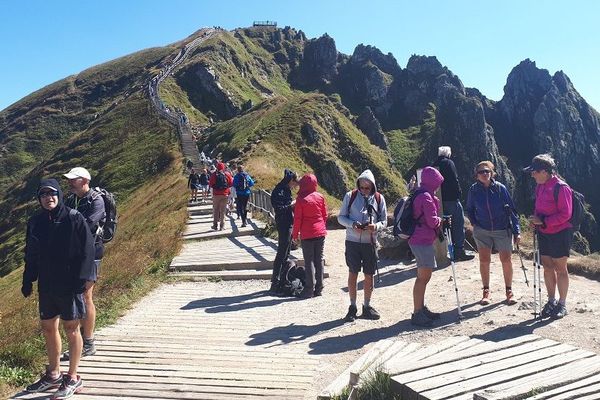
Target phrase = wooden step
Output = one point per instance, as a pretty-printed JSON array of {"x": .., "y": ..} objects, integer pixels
[
  {"x": 201, "y": 228},
  {"x": 240, "y": 275}
]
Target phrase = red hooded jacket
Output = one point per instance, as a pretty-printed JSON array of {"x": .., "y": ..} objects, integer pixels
[
  {"x": 213, "y": 181},
  {"x": 310, "y": 212}
]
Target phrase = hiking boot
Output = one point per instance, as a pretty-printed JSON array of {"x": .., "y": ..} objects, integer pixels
[
  {"x": 510, "y": 298},
  {"x": 318, "y": 292},
  {"x": 274, "y": 288},
  {"x": 559, "y": 311},
  {"x": 369, "y": 312},
  {"x": 44, "y": 383},
  {"x": 214, "y": 227},
  {"x": 68, "y": 387},
  {"x": 485, "y": 300},
  {"x": 430, "y": 314},
  {"x": 306, "y": 294},
  {"x": 244, "y": 225},
  {"x": 89, "y": 348},
  {"x": 420, "y": 319},
  {"x": 351, "y": 315},
  {"x": 460, "y": 255},
  {"x": 548, "y": 309}
]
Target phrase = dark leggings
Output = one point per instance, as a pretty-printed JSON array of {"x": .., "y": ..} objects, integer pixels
[
  {"x": 312, "y": 250},
  {"x": 241, "y": 203},
  {"x": 284, "y": 243}
]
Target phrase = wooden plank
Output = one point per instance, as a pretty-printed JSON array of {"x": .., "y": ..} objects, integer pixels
[
  {"x": 176, "y": 394},
  {"x": 207, "y": 362},
  {"x": 490, "y": 375},
  {"x": 370, "y": 357},
  {"x": 435, "y": 348},
  {"x": 118, "y": 356},
  {"x": 562, "y": 376}
]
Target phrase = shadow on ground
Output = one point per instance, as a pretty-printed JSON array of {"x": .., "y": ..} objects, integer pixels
[{"x": 234, "y": 303}]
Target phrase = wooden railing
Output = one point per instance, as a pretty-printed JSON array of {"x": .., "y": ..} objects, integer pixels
[{"x": 260, "y": 201}]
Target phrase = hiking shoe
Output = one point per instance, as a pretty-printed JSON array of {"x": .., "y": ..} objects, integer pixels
[
  {"x": 44, "y": 383},
  {"x": 430, "y": 314},
  {"x": 89, "y": 348},
  {"x": 460, "y": 255},
  {"x": 420, "y": 319},
  {"x": 351, "y": 315},
  {"x": 559, "y": 311},
  {"x": 243, "y": 225},
  {"x": 318, "y": 293},
  {"x": 369, "y": 312},
  {"x": 548, "y": 309},
  {"x": 485, "y": 300},
  {"x": 214, "y": 227},
  {"x": 68, "y": 387},
  {"x": 510, "y": 298}
]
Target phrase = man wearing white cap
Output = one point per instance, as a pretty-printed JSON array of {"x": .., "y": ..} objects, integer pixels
[{"x": 89, "y": 203}]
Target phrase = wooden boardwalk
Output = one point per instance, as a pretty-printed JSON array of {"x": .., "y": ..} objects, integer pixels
[{"x": 467, "y": 368}]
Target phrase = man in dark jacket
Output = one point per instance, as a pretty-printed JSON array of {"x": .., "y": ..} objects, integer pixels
[
  {"x": 451, "y": 194},
  {"x": 59, "y": 255},
  {"x": 91, "y": 205},
  {"x": 281, "y": 200}
]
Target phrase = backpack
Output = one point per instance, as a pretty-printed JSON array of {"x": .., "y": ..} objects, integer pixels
[
  {"x": 578, "y": 201},
  {"x": 221, "y": 181},
  {"x": 292, "y": 278},
  {"x": 242, "y": 182},
  {"x": 353, "y": 197},
  {"x": 404, "y": 221},
  {"x": 108, "y": 227}
]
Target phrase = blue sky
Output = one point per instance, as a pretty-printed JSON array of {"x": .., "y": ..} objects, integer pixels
[{"x": 480, "y": 41}]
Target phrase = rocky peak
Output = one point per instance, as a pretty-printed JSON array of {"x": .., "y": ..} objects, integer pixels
[
  {"x": 320, "y": 57},
  {"x": 527, "y": 80},
  {"x": 386, "y": 63},
  {"x": 425, "y": 64}
]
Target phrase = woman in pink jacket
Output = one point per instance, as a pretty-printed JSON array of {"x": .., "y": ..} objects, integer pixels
[
  {"x": 426, "y": 211},
  {"x": 551, "y": 221},
  {"x": 310, "y": 214}
]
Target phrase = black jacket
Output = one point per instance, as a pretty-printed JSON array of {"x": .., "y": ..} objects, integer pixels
[
  {"x": 59, "y": 249},
  {"x": 281, "y": 200},
  {"x": 91, "y": 206},
  {"x": 450, "y": 187}
]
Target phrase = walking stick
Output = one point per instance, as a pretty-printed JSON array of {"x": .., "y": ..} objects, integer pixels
[
  {"x": 510, "y": 226},
  {"x": 374, "y": 245},
  {"x": 448, "y": 234},
  {"x": 539, "y": 270}
]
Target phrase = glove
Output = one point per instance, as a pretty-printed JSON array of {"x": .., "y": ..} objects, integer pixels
[{"x": 26, "y": 289}]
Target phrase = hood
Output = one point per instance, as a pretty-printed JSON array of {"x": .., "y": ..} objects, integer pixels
[
  {"x": 52, "y": 183},
  {"x": 431, "y": 179},
  {"x": 308, "y": 184},
  {"x": 368, "y": 175},
  {"x": 220, "y": 166},
  {"x": 288, "y": 175}
]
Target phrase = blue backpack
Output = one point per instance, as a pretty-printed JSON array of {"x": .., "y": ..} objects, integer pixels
[{"x": 404, "y": 221}]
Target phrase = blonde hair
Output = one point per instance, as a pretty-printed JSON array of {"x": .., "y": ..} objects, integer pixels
[
  {"x": 489, "y": 165},
  {"x": 445, "y": 151}
]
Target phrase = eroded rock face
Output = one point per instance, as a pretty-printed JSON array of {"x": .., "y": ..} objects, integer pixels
[
  {"x": 368, "y": 123},
  {"x": 320, "y": 58}
]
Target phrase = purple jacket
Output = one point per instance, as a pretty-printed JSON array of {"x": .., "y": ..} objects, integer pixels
[
  {"x": 555, "y": 214},
  {"x": 426, "y": 208}
]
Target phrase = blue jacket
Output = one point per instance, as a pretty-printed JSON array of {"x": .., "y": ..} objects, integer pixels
[
  {"x": 238, "y": 179},
  {"x": 487, "y": 209}
]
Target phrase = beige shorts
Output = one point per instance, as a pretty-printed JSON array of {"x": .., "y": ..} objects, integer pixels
[{"x": 499, "y": 240}]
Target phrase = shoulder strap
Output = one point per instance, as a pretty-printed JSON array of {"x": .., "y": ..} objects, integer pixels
[
  {"x": 557, "y": 190},
  {"x": 73, "y": 212},
  {"x": 352, "y": 198}
]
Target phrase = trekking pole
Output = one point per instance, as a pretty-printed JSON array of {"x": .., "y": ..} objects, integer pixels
[
  {"x": 510, "y": 227},
  {"x": 536, "y": 278},
  {"x": 448, "y": 235},
  {"x": 539, "y": 271},
  {"x": 374, "y": 245},
  {"x": 522, "y": 265}
]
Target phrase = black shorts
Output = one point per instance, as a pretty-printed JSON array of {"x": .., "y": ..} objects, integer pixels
[
  {"x": 361, "y": 256},
  {"x": 69, "y": 306},
  {"x": 556, "y": 245}
]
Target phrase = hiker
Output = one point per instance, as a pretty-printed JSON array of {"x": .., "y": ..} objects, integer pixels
[
  {"x": 242, "y": 182},
  {"x": 194, "y": 184},
  {"x": 426, "y": 212},
  {"x": 220, "y": 182},
  {"x": 59, "y": 255},
  {"x": 310, "y": 216},
  {"x": 554, "y": 231},
  {"x": 495, "y": 226},
  {"x": 204, "y": 188},
  {"x": 363, "y": 213},
  {"x": 451, "y": 193},
  {"x": 281, "y": 200},
  {"x": 91, "y": 205}
]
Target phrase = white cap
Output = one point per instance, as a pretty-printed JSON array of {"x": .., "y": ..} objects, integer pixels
[{"x": 78, "y": 172}]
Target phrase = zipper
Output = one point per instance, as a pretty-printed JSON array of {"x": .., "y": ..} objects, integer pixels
[{"x": 487, "y": 199}]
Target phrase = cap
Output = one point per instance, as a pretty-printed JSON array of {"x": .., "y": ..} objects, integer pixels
[
  {"x": 46, "y": 187},
  {"x": 78, "y": 172},
  {"x": 541, "y": 162}
]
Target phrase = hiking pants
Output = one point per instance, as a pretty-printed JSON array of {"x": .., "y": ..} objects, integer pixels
[
  {"x": 241, "y": 205},
  {"x": 455, "y": 209},
  {"x": 284, "y": 244},
  {"x": 219, "y": 208},
  {"x": 312, "y": 250}
]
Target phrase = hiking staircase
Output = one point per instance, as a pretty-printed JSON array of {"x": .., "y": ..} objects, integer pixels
[{"x": 461, "y": 367}]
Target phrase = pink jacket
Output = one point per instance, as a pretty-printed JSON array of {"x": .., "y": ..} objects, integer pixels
[
  {"x": 426, "y": 208},
  {"x": 555, "y": 215},
  {"x": 310, "y": 212}
]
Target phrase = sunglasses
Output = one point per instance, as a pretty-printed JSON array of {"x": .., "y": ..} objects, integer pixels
[
  {"x": 47, "y": 194},
  {"x": 484, "y": 171}
]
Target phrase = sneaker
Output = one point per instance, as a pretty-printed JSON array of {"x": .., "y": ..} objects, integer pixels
[
  {"x": 485, "y": 300},
  {"x": 548, "y": 309},
  {"x": 68, "y": 387},
  {"x": 460, "y": 255},
  {"x": 559, "y": 311},
  {"x": 243, "y": 225},
  {"x": 510, "y": 298},
  {"x": 351, "y": 315},
  {"x": 420, "y": 319},
  {"x": 44, "y": 383},
  {"x": 89, "y": 348},
  {"x": 369, "y": 312},
  {"x": 430, "y": 314},
  {"x": 214, "y": 227}
]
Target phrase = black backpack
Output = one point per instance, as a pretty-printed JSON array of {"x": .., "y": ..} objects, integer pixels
[
  {"x": 578, "y": 201},
  {"x": 242, "y": 182},
  {"x": 221, "y": 181},
  {"x": 292, "y": 278},
  {"x": 404, "y": 221},
  {"x": 108, "y": 226}
]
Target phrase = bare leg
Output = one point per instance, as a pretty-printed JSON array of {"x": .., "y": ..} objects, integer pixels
[
  {"x": 53, "y": 344},
  {"x": 423, "y": 277},
  {"x": 89, "y": 322},
  {"x": 485, "y": 256},
  {"x": 75, "y": 345},
  {"x": 352, "y": 279},
  {"x": 549, "y": 276},
  {"x": 507, "y": 269},
  {"x": 368, "y": 288},
  {"x": 562, "y": 277}
]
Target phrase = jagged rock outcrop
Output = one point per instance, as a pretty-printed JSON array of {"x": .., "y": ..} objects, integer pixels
[
  {"x": 319, "y": 62},
  {"x": 368, "y": 123}
]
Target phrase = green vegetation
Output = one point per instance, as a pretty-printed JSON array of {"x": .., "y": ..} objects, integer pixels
[
  {"x": 174, "y": 97},
  {"x": 378, "y": 386}
]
